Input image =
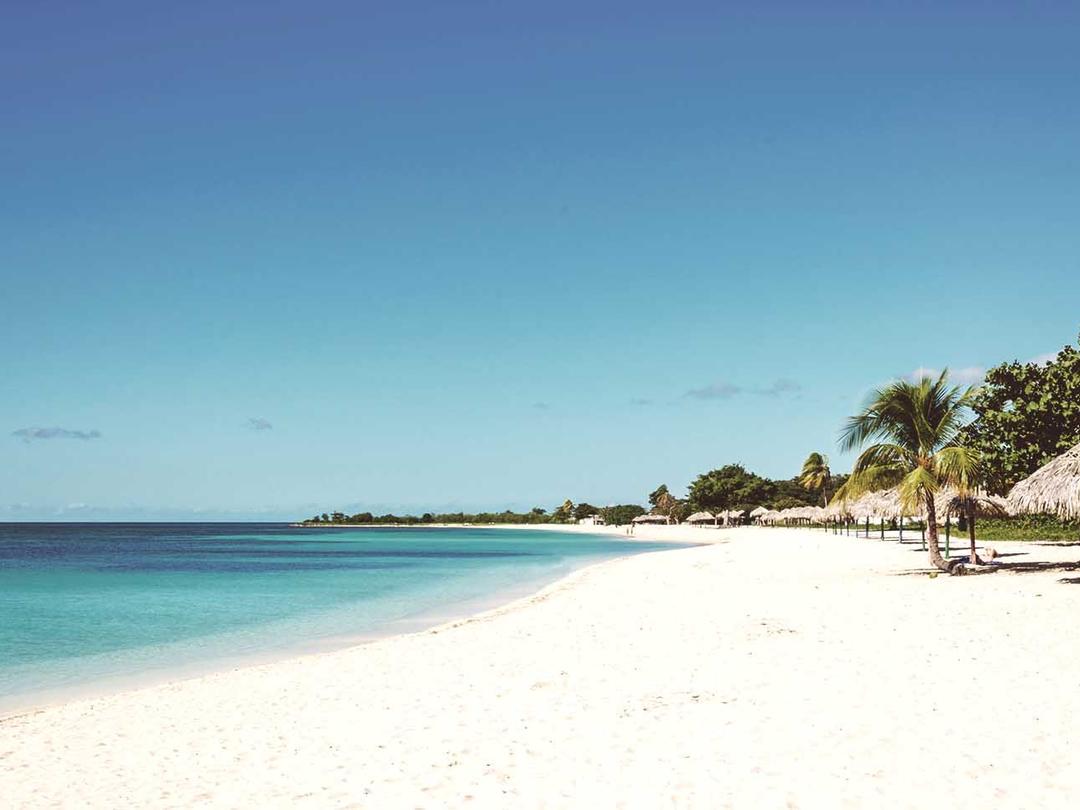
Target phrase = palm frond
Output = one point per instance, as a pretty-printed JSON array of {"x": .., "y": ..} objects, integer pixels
[
  {"x": 884, "y": 455},
  {"x": 815, "y": 472},
  {"x": 958, "y": 467},
  {"x": 915, "y": 485},
  {"x": 871, "y": 479}
]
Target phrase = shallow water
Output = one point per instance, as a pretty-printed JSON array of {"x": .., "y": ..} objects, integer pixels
[{"x": 87, "y": 605}]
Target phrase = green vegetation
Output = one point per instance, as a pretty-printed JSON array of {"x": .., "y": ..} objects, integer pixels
[
  {"x": 1026, "y": 414},
  {"x": 729, "y": 487},
  {"x": 816, "y": 475},
  {"x": 621, "y": 514},
  {"x": 734, "y": 487},
  {"x": 1029, "y": 527},
  {"x": 537, "y": 515},
  {"x": 568, "y": 512}
]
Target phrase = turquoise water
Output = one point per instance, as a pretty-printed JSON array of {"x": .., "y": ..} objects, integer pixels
[{"x": 98, "y": 606}]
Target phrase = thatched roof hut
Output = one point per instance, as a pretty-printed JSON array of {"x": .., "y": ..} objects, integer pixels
[
  {"x": 702, "y": 517},
  {"x": 758, "y": 511},
  {"x": 951, "y": 502},
  {"x": 838, "y": 509},
  {"x": 1053, "y": 489},
  {"x": 810, "y": 513},
  {"x": 866, "y": 506},
  {"x": 659, "y": 519}
]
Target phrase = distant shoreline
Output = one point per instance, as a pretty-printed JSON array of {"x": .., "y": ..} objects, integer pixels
[{"x": 437, "y": 526}]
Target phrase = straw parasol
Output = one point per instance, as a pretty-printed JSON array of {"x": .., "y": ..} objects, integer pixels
[
  {"x": 758, "y": 511},
  {"x": 866, "y": 506},
  {"x": 652, "y": 519},
  {"x": 970, "y": 504},
  {"x": 838, "y": 509},
  {"x": 702, "y": 517},
  {"x": 1052, "y": 489},
  {"x": 976, "y": 502}
]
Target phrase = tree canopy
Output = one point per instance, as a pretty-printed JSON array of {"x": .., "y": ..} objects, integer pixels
[
  {"x": 728, "y": 487},
  {"x": 1026, "y": 414}
]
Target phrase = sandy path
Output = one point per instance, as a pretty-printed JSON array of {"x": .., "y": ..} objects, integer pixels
[{"x": 780, "y": 669}]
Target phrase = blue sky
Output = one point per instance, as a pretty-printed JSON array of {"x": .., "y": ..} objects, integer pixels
[{"x": 276, "y": 258}]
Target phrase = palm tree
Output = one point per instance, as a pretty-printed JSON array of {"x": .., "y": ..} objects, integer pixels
[
  {"x": 916, "y": 426},
  {"x": 665, "y": 503},
  {"x": 816, "y": 475}
]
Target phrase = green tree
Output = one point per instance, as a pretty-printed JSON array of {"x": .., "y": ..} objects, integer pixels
[
  {"x": 565, "y": 513},
  {"x": 621, "y": 514},
  {"x": 918, "y": 427},
  {"x": 584, "y": 510},
  {"x": 816, "y": 475},
  {"x": 1025, "y": 415},
  {"x": 729, "y": 487},
  {"x": 657, "y": 494},
  {"x": 665, "y": 503},
  {"x": 680, "y": 510}
]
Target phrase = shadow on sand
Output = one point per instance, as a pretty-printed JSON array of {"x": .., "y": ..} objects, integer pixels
[{"x": 1018, "y": 567}]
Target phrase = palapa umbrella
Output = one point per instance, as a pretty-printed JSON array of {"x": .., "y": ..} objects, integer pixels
[
  {"x": 651, "y": 519},
  {"x": 971, "y": 504},
  {"x": 1053, "y": 489},
  {"x": 702, "y": 517}
]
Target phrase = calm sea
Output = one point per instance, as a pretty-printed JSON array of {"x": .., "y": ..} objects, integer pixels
[{"x": 92, "y": 607}]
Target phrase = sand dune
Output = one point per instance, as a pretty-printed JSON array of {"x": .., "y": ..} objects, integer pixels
[{"x": 776, "y": 668}]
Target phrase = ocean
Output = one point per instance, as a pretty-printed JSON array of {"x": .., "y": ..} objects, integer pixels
[{"x": 89, "y": 608}]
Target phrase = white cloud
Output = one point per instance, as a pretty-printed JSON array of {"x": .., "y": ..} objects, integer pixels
[
  {"x": 970, "y": 375},
  {"x": 967, "y": 375},
  {"x": 727, "y": 390},
  {"x": 31, "y": 434},
  {"x": 779, "y": 388},
  {"x": 719, "y": 390}
]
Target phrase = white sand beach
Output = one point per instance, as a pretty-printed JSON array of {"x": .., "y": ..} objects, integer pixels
[{"x": 774, "y": 668}]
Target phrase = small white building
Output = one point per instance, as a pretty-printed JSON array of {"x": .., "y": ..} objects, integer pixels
[{"x": 592, "y": 520}]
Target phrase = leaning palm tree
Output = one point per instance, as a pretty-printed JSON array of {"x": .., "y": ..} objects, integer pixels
[
  {"x": 916, "y": 427},
  {"x": 816, "y": 475}
]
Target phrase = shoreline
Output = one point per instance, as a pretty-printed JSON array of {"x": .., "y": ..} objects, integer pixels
[
  {"x": 423, "y": 621},
  {"x": 769, "y": 668}
]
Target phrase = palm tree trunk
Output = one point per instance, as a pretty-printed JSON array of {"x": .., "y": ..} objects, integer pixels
[
  {"x": 974, "y": 558},
  {"x": 932, "y": 535}
]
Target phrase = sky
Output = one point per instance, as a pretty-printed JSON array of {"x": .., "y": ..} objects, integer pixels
[{"x": 262, "y": 260}]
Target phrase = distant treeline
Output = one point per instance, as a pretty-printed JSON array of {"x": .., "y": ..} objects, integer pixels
[
  {"x": 567, "y": 513},
  {"x": 729, "y": 487}
]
